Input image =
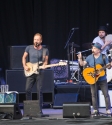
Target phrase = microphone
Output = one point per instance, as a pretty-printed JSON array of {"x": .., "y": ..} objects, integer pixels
[
  {"x": 84, "y": 51},
  {"x": 36, "y": 44},
  {"x": 75, "y": 28}
]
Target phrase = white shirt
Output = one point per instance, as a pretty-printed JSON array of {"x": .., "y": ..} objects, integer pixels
[{"x": 99, "y": 40}]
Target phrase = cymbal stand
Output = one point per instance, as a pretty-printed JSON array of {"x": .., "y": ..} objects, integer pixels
[
  {"x": 67, "y": 46},
  {"x": 72, "y": 53}
]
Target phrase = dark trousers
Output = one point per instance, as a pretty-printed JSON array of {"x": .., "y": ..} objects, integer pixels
[
  {"x": 104, "y": 88},
  {"x": 30, "y": 81}
]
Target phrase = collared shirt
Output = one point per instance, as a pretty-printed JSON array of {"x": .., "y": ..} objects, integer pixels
[{"x": 99, "y": 40}]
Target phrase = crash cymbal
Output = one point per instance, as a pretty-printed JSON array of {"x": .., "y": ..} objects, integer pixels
[
  {"x": 87, "y": 45},
  {"x": 75, "y": 45}
]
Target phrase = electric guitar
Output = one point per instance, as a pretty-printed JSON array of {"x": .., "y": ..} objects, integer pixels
[
  {"x": 91, "y": 76},
  {"x": 33, "y": 67}
]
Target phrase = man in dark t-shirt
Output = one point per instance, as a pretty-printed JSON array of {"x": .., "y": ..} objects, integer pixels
[{"x": 36, "y": 54}]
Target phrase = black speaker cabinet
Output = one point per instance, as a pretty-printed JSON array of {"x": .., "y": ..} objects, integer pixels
[
  {"x": 31, "y": 108},
  {"x": 79, "y": 110},
  {"x": 15, "y": 54},
  {"x": 11, "y": 109},
  {"x": 47, "y": 80},
  {"x": 17, "y": 81}
]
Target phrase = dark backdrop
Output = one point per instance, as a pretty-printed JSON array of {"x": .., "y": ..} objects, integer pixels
[{"x": 21, "y": 19}]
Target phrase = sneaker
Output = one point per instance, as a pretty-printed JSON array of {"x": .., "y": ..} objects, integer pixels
[{"x": 109, "y": 112}]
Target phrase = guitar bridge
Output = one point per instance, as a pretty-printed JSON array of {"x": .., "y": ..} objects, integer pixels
[{"x": 91, "y": 74}]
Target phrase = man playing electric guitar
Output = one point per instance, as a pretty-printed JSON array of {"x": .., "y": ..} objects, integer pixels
[
  {"x": 92, "y": 60},
  {"x": 36, "y": 53}
]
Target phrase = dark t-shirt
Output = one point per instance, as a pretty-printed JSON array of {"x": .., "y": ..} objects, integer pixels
[
  {"x": 99, "y": 60},
  {"x": 35, "y": 55}
]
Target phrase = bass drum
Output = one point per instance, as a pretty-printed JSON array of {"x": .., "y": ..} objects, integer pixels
[{"x": 109, "y": 75}]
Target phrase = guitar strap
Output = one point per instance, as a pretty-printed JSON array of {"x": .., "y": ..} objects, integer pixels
[
  {"x": 103, "y": 57},
  {"x": 44, "y": 50}
]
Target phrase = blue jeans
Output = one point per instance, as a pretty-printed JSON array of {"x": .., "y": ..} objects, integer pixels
[
  {"x": 30, "y": 81},
  {"x": 104, "y": 88}
]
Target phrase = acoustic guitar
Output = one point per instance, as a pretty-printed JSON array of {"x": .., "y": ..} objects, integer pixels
[
  {"x": 91, "y": 75},
  {"x": 33, "y": 67}
]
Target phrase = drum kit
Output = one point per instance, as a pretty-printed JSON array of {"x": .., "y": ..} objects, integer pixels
[{"x": 75, "y": 68}]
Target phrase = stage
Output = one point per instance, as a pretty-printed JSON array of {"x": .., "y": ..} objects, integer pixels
[{"x": 56, "y": 118}]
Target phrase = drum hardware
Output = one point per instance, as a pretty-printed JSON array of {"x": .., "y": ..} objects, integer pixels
[
  {"x": 87, "y": 45},
  {"x": 73, "y": 75},
  {"x": 77, "y": 77},
  {"x": 73, "y": 44},
  {"x": 110, "y": 51}
]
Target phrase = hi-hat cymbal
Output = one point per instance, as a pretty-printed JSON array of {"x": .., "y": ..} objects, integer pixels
[
  {"x": 75, "y": 45},
  {"x": 87, "y": 45}
]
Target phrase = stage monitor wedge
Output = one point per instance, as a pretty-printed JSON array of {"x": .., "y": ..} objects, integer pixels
[
  {"x": 76, "y": 110},
  {"x": 12, "y": 109}
]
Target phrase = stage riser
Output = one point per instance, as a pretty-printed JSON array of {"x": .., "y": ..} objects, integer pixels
[{"x": 62, "y": 98}]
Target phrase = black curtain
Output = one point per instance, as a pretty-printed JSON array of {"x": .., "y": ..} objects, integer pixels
[{"x": 21, "y": 19}]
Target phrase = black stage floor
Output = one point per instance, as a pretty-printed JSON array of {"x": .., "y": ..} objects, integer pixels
[
  {"x": 56, "y": 118},
  {"x": 79, "y": 121}
]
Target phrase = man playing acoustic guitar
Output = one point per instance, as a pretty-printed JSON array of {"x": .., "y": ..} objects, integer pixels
[{"x": 95, "y": 76}]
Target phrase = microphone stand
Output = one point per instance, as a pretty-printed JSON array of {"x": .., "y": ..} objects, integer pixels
[
  {"x": 72, "y": 58},
  {"x": 38, "y": 71},
  {"x": 67, "y": 45}
]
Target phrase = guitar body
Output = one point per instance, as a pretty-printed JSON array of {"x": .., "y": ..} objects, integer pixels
[
  {"x": 89, "y": 74},
  {"x": 32, "y": 69}
]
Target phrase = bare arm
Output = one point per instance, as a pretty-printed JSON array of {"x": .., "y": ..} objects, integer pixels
[
  {"x": 81, "y": 62},
  {"x": 24, "y": 60},
  {"x": 46, "y": 60}
]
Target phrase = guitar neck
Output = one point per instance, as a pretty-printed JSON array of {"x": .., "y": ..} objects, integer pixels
[
  {"x": 48, "y": 66},
  {"x": 105, "y": 67}
]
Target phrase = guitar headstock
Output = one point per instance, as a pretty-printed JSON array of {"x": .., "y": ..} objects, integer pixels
[{"x": 61, "y": 63}]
